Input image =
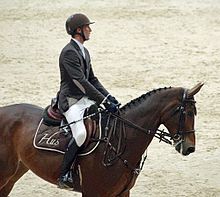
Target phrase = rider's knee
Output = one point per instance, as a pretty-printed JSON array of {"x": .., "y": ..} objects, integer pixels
[{"x": 80, "y": 139}]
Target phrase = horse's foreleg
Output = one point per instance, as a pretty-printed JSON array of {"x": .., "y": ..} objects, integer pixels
[{"x": 6, "y": 189}]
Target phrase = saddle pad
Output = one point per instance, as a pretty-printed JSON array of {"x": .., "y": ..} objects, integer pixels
[
  {"x": 54, "y": 139},
  {"x": 51, "y": 138}
]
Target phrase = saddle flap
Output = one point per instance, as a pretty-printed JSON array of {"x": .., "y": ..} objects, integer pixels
[{"x": 91, "y": 127}]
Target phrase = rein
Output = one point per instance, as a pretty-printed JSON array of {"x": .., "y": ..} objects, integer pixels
[
  {"x": 108, "y": 161},
  {"x": 160, "y": 134}
]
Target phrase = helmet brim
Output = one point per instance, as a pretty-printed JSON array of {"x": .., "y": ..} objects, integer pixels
[{"x": 90, "y": 23}]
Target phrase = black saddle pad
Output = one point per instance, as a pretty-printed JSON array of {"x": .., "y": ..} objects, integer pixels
[{"x": 52, "y": 138}]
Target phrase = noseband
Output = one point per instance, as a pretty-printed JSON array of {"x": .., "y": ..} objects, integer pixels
[{"x": 180, "y": 133}]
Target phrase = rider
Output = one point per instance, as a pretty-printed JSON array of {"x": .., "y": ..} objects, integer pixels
[{"x": 79, "y": 88}]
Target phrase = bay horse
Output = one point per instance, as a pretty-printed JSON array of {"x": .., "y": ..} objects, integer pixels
[{"x": 173, "y": 107}]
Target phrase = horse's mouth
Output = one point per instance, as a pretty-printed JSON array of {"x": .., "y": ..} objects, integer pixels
[{"x": 184, "y": 148}]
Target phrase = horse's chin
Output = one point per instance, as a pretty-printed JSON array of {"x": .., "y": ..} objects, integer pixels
[{"x": 184, "y": 148}]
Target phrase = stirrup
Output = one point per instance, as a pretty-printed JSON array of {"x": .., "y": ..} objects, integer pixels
[{"x": 66, "y": 182}]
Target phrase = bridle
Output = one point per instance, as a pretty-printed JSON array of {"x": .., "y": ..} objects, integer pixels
[
  {"x": 161, "y": 134},
  {"x": 180, "y": 133}
]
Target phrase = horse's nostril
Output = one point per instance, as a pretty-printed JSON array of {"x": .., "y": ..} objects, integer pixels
[{"x": 191, "y": 150}]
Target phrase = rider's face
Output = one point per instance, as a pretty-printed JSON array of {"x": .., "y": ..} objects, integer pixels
[{"x": 87, "y": 30}]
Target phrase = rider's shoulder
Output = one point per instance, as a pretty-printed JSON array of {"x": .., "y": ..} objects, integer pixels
[{"x": 69, "y": 49}]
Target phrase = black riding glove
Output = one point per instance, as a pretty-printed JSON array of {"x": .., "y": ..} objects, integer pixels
[
  {"x": 111, "y": 107},
  {"x": 113, "y": 100}
]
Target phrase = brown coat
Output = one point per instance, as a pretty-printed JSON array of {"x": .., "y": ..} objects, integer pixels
[{"x": 77, "y": 78}]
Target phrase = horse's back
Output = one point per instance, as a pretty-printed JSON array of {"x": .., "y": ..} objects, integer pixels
[
  {"x": 17, "y": 111},
  {"x": 21, "y": 106}
]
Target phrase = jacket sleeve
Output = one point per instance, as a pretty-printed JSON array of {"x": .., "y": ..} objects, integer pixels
[
  {"x": 73, "y": 67},
  {"x": 95, "y": 82}
]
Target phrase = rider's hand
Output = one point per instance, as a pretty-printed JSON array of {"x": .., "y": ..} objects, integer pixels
[
  {"x": 111, "y": 107},
  {"x": 113, "y": 100}
]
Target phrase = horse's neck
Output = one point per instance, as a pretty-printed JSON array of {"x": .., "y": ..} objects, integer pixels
[{"x": 145, "y": 113}]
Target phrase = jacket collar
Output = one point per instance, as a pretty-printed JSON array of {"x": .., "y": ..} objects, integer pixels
[
  {"x": 76, "y": 46},
  {"x": 87, "y": 59}
]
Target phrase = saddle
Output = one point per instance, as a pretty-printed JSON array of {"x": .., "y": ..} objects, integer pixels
[{"x": 54, "y": 134}]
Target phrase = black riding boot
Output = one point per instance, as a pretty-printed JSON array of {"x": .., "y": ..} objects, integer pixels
[{"x": 69, "y": 157}]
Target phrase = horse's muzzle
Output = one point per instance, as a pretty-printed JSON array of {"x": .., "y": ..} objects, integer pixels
[{"x": 185, "y": 148}]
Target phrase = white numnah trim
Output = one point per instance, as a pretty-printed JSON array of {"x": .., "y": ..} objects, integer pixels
[
  {"x": 42, "y": 148},
  {"x": 56, "y": 150}
]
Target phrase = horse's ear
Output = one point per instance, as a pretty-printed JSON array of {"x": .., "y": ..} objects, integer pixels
[{"x": 191, "y": 92}]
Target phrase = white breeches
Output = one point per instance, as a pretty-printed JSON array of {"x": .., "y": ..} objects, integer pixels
[{"x": 75, "y": 113}]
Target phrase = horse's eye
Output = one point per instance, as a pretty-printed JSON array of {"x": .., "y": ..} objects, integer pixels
[{"x": 190, "y": 113}]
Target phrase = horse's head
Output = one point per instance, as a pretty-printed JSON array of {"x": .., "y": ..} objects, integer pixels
[{"x": 179, "y": 120}]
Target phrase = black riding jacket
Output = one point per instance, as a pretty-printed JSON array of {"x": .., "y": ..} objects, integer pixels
[{"x": 77, "y": 77}]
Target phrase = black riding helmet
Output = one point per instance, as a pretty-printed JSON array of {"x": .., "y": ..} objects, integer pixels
[{"x": 76, "y": 21}]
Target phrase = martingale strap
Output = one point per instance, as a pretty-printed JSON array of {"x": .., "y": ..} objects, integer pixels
[{"x": 114, "y": 139}]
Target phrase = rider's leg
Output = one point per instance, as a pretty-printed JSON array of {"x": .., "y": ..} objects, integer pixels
[
  {"x": 69, "y": 157},
  {"x": 75, "y": 113}
]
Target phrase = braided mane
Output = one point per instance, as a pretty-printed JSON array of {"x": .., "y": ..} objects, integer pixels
[{"x": 142, "y": 98}]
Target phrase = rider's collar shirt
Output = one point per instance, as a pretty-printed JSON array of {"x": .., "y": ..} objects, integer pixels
[{"x": 80, "y": 46}]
